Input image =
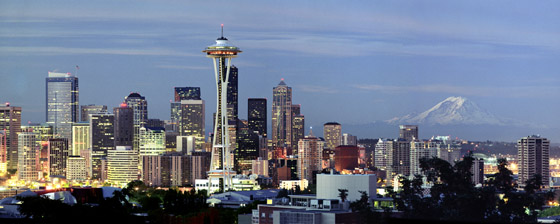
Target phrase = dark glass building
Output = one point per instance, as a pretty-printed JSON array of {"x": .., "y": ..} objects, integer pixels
[
  {"x": 102, "y": 134},
  {"x": 86, "y": 110},
  {"x": 124, "y": 125},
  {"x": 139, "y": 106},
  {"x": 256, "y": 115},
  {"x": 58, "y": 154},
  {"x": 247, "y": 147},
  {"x": 62, "y": 103},
  {"x": 187, "y": 93}
]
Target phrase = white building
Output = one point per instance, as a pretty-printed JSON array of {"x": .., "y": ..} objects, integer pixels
[
  {"x": 328, "y": 185},
  {"x": 122, "y": 165},
  {"x": 28, "y": 153},
  {"x": 80, "y": 137},
  {"x": 76, "y": 166},
  {"x": 152, "y": 141},
  {"x": 292, "y": 184},
  {"x": 260, "y": 167},
  {"x": 418, "y": 150},
  {"x": 239, "y": 183},
  {"x": 310, "y": 156}
]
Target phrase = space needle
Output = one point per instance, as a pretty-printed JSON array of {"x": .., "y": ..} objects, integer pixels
[{"x": 222, "y": 52}]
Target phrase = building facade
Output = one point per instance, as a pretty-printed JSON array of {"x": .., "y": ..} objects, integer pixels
[
  {"x": 139, "y": 106},
  {"x": 533, "y": 154},
  {"x": 256, "y": 115},
  {"x": 122, "y": 165},
  {"x": 332, "y": 132},
  {"x": 408, "y": 132},
  {"x": 310, "y": 155},
  {"x": 192, "y": 120},
  {"x": 102, "y": 139},
  {"x": 124, "y": 125},
  {"x": 10, "y": 122},
  {"x": 282, "y": 115},
  {"x": 58, "y": 156},
  {"x": 62, "y": 102},
  {"x": 86, "y": 110},
  {"x": 28, "y": 156}
]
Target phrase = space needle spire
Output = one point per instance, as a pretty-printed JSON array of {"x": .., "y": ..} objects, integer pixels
[{"x": 222, "y": 52}]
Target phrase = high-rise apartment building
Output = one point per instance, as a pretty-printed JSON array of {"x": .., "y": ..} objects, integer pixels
[
  {"x": 124, "y": 125},
  {"x": 348, "y": 139},
  {"x": 3, "y": 160},
  {"x": 102, "y": 139},
  {"x": 10, "y": 122},
  {"x": 58, "y": 156},
  {"x": 28, "y": 156},
  {"x": 80, "y": 137},
  {"x": 256, "y": 115},
  {"x": 419, "y": 150},
  {"x": 44, "y": 132},
  {"x": 408, "y": 132},
  {"x": 401, "y": 157},
  {"x": 477, "y": 171},
  {"x": 310, "y": 155},
  {"x": 86, "y": 110},
  {"x": 122, "y": 165},
  {"x": 282, "y": 115},
  {"x": 139, "y": 106},
  {"x": 383, "y": 154},
  {"x": 192, "y": 121},
  {"x": 533, "y": 153},
  {"x": 62, "y": 103},
  {"x": 332, "y": 132}
]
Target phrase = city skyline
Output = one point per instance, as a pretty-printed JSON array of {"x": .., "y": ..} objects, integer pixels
[{"x": 495, "y": 57}]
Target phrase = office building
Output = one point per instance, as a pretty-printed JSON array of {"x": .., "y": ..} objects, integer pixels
[
  {"x": 152, "y": 141},
  {"x": 80, "y": 137},
  {"x": 408, "y": 132},
  {"x": 310, "y": 155},
  {"x": 10, "y": 122},
  {"x": 122, "y": 165},
  {"x": 332, "y": 132},
  {"x": 62, "y": 103},
  {"x": 28, "y": 156},
  {"x": 44, "y": 132},
  {"x": 346, "y": 157},
  {"x": 175, "y": 116},
  {"x": 86, "y": 110},
  {"x": 247, "y": 147},
  {"x": 282, "y": 115},
  {"x": 102, "y": 139},
  {"x": 533, "y": 153},
  {"x": 3, "y": 160},
  {"x": 401, "y": 157},
  {"x": 298, "y": 125},
  {"x": 139, "y": 106},
  {"x": 58, "y": 156},
  {"x": 77, "y": 170},
  {"x": 187, "y": 93},
  {"x": 348, "y": 139},
  {"x": 259, "y": 167},
  {"x": 256, "y": 115},
  {"x": 124, "y": 125},
  {"x": 192, "y": 120}
]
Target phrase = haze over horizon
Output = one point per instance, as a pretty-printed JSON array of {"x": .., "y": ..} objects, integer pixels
[{"x": 354, "y": 63}]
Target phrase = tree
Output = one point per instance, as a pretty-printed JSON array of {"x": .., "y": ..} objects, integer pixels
[{"x": 343, "y": 193}]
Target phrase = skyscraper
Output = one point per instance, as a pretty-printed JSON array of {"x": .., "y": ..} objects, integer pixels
[
  {"x": 102, "y": 139},
  {"x": 298, "y": 126},
  {"x": 332, "y": 132},
  {"x": 256, "y": 115},
  {"x": 192, "y": 122},
  {"x": 248, "y": 146},
  {"x": 282, "y": 115},
  {"x": 310, "y": 155},
  {"x": 44, "y": 132},
  {"x": 62, "y": 103},
  {"x": 187, "y": 93},
  {"x": 222, "y": 53},
  {"x": 139, "y": 106},
  {"x": 152, "y": 141},
  {"x": 80, "y": 138},
  {"x": 28, "y": 156},
  {"x": 86, "y": 110},
  {"x": 58, "y": 155},
  {"x": 401, "y": 157},
  {"x": 3, "y": 160},
  {"x": 408, "y": 132},
  {"x": 348, "y": 139},
  {"x": 533, "y": 158},
  {"x": 124, "y": 125},
  {"x": 10, "y": 123},
  {"x": 122, "y": 165},
  {"x": 232, "y": 95}
]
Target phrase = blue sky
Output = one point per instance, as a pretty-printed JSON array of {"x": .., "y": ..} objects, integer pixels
[{"x": 352, "y": 62}]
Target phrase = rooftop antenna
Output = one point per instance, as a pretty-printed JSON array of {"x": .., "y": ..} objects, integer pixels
[{"x": 222, "y": 30}]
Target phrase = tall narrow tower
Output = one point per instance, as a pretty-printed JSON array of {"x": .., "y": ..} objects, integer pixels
[{"x": 221, "y": 163}]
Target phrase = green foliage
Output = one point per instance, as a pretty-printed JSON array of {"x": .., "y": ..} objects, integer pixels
[
  {"x": 554, "y": 211},
  {"x": 454, "y": 197},
  {"x": 343, "y": 194}
]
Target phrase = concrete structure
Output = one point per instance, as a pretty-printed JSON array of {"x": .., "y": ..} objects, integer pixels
[
  {"x": 418, "y": 150},
  {"x": 28, "y": 156},
  {"x": 62, "y": 102},
  {"x": 346, "y": 157},
  {"x": 348, "y": 139},
  {"x": 259, "y": 167},
  {"x": 238, "y": 183},
  {"x": 10, "y": 122},
  {"x": 44, "y": 132},
  {"x": 80, "y": 138},
  {"x": 186, "y": 144},
  {"x": 310, "y": 154},
  {"x": 151, "y": 141},
  {"x": 408, "y": 132},
  {"x": 533, "y": 158},
  {"x": 328, "y": 185},
  {"x": 77, "y": 170},
  {"x": 282, "y": 115},
  {"x": 237, "y": 199},
  {"x": 293, "y": 184},
  {"x": 332, "y": 132},
  {"x": 86, "y": 110},
  {"x": 383, "y": 154},
  {"x": 222, "y": 54},
  {"x": 122, "y": 165}
]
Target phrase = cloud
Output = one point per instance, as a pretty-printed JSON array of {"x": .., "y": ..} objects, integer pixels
[
  {"x": 484, "y": 91},
  {"x": 316, "y": 89},
  {"x": 27, "y": 50}
]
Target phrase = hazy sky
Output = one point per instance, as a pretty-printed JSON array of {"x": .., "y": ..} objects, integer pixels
[{"x": 347, "y": 61}]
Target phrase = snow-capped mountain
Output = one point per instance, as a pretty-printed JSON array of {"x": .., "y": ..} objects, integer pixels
[{"x": 451, "y": 111}]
